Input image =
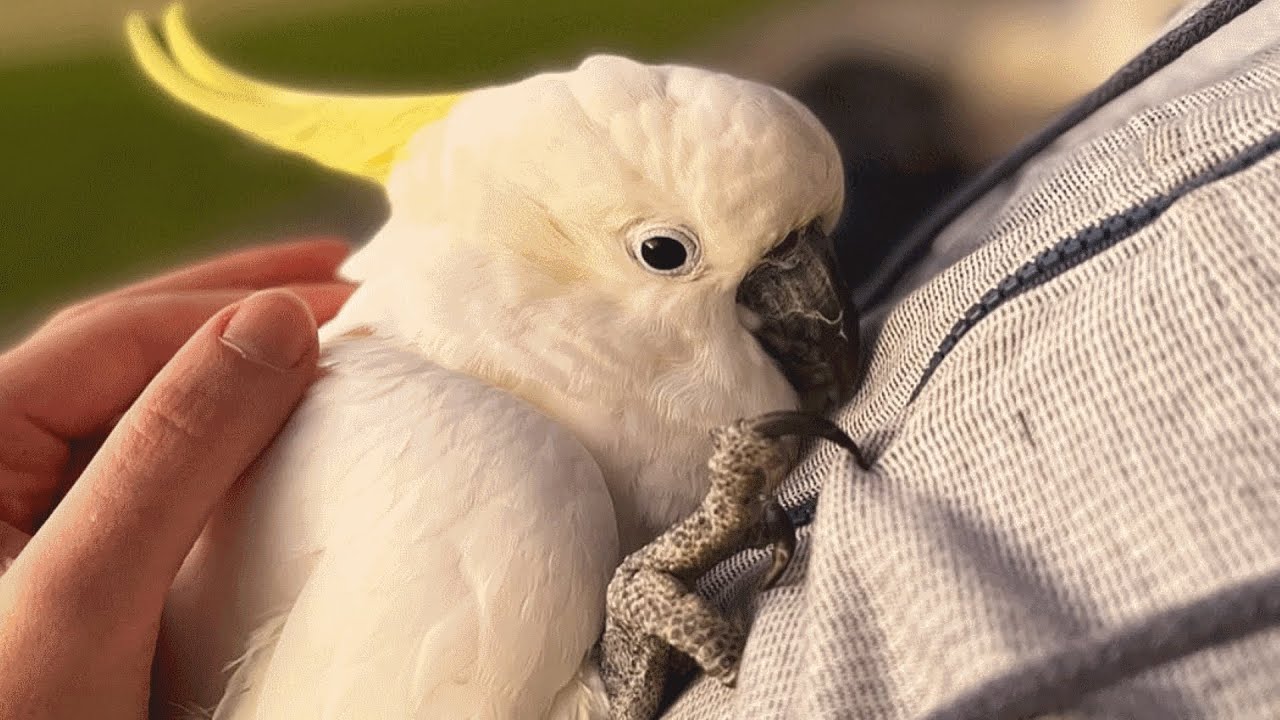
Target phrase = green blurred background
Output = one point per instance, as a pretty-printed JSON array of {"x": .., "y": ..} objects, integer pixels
[{"x": 106, "y": 179}]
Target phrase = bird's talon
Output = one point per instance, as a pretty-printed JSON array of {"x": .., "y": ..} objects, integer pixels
[
  {"x": 780, "y": 535},
  {"x": 784, "y": 423}
]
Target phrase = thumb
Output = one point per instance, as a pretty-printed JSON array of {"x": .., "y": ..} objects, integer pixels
[{"x": 110, "y": 550}]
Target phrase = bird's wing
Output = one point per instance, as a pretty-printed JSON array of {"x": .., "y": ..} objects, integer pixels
[{"x": 449, "y": 546}]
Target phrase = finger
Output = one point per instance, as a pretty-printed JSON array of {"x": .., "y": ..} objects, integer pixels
[
  {"x": 111, "y": 548},
  {"x": 73, "y": 382},
  {"x": 69, "y": 380},
  {"x": 324, "y": 300},
  {"x": 304, "y": 261}
]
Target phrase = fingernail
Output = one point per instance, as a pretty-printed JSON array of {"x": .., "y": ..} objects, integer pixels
[{"x": 273, "y": 328}]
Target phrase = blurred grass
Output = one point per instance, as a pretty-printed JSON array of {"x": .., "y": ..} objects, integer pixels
[{"x": 106, "y": 178}]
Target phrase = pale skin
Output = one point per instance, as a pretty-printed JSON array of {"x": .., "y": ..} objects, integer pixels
[{"x": 123, "y": 420}]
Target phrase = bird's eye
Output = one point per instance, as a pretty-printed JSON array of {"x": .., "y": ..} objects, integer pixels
[
  {"x": 663, "y": 253},
  {"x": 666, "y": 251}
]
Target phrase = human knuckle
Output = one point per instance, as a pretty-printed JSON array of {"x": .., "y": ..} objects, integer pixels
[
  {"x": 165, "y": 421},
  {"x": 69, "y": 313},
  {"x": 97, "y": 316},
  {"x": 93, "y": 309}
]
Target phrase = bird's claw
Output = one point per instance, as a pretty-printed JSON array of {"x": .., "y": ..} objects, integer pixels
[
  {"x": 652, "y": 607},
  {"x": 779, "y": 534},
  {"x": 791, "y": 423}
]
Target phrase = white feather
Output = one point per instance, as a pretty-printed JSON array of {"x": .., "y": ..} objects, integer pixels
[{"x": 445, "y": 549}]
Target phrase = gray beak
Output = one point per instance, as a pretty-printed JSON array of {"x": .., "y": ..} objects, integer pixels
[{"x": 804, "y": 318}]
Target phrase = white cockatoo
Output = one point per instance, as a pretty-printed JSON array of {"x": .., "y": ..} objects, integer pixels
[{"x": 581, "y": 275}]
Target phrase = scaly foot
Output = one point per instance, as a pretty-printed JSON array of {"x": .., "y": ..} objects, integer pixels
[{"x": 652, "y": 608}]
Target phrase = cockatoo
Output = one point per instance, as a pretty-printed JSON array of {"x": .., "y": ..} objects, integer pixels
[{"x": 582, "y": 274}]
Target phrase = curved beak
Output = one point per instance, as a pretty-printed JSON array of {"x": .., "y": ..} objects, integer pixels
[{"x": 803, "y": 316}]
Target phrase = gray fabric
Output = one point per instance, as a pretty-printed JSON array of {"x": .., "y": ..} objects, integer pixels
[
  {"x": 1093, "y": 470},
  {"x": 1200, "y": 23},
  {"x": 1217, "y": 56}
]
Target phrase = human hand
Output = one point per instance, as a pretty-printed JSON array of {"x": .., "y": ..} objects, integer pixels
[{"x": 143, "y": 405}]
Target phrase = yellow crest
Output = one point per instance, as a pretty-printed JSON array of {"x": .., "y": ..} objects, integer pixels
[{"x": 358, "y": 134}]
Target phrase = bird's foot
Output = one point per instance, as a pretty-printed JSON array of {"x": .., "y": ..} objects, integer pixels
[{"x": 652, "y": 606}]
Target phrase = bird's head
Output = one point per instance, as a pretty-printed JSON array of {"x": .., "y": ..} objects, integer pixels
[{"x": 680, "y": 204}]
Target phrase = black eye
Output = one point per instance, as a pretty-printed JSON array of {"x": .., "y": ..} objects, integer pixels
[
  {"x": 666, "y": 250},
  {"x": 663, "y": 253}
]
